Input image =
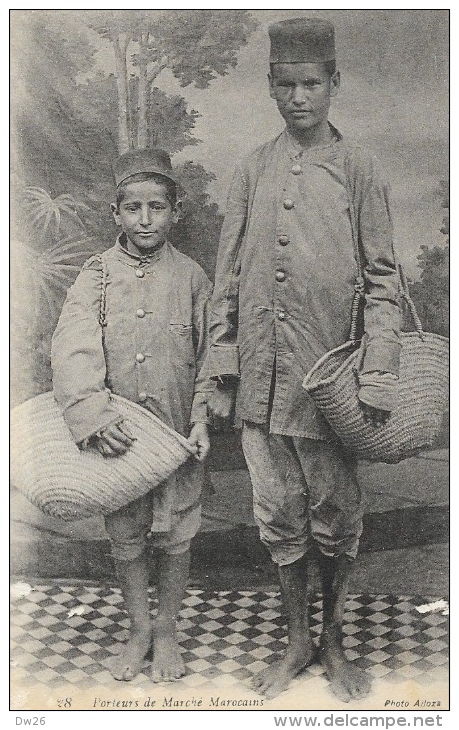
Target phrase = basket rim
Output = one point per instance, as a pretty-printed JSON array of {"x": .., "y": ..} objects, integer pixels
[
  {"x": 353, "y": 347},
  {"x": 49, "y": 395}
]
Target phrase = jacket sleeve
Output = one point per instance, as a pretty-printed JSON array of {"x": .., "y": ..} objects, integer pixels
[
  {"x": 380, "y": 273},
  {"x": 224, "y": 353},
  {"x": 78, "y": 361},
  {"x": 203, "y": 386}
]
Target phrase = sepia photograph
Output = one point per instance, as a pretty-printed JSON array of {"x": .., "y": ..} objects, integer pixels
[{"x": 229, "y": 316}]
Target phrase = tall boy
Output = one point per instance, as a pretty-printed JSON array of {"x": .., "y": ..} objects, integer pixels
[
  {"x": 285, "y": 282},
  {"x": 150, "y": 349}
]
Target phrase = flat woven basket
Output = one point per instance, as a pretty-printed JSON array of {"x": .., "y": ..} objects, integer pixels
[
  {"x": 422, "y": 398},
  {"x": 51, "y": 471}
]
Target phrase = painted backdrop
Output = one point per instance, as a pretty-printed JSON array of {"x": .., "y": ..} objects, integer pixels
[{"x": 88, "y": 84}]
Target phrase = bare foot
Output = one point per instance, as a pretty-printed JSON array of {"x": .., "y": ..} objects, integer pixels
[
  {"x": 276, "y": 678},
  {"x": 130, "y": 661},
  {"x": 167, "y": 662},
  {"x": 347, "y": 681}
]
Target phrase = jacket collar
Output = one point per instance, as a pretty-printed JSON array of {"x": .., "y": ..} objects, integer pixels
[
  {"x": 120, "y": 247},
  {"x": 294, "y": 148}
]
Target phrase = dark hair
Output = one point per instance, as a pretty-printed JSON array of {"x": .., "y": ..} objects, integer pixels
[
  {"x": 171, "y": 188},
  {"x": 329, "y": 66}
]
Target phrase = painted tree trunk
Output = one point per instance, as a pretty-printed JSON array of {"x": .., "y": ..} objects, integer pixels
[
  {"x": 142, "y": 127},
  {"x": 120, "y": 47}
]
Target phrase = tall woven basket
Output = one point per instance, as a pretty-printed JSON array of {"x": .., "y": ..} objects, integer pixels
[
  {"x": 50, "y": 470},
  {"x": 422, "y": 394}
]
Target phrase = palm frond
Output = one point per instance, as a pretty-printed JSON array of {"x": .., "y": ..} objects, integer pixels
[
  {"x": 82, "y": 255},
  {"x": 48, "y": 218},
  {"x": 45, "y": 209},
  {"x": 38, "y": 214},
  {"x": 70, "y": 200},
  {"x": 52, "y": 268},
  {"x": 44, "y": 274},
  {"x": 73, "y": 214},
  {"x": 64, "y": 267},
  {"x": 55, "y": 279},
  {"x": 73, "y": 244},
  {"x": 48, "y": 298},
  {"x": 37, "y": 193}
]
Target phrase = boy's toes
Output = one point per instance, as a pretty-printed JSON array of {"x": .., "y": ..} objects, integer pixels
[
  {"x": 354, "y": 686},
  {"x": 123, "y": 673},
  {"x": 364, "y": 686},
  {"x": 167, "y": 674},
  {"x": 167, "y": 665}
]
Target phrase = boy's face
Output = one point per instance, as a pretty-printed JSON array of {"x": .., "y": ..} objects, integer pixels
[
  {"x": 145, "y": 214},
  {"x": 302, "y": 92}
]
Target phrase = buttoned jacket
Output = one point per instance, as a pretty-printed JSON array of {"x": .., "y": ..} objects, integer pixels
[
  {"x": 286, "y": 276},
  {"x": 150, "y": 349}
]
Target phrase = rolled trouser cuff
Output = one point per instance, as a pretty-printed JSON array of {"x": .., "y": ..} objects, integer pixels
[{"x": 128, "y": 550}]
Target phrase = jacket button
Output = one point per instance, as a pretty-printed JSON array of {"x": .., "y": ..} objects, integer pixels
[
  {"x": 140, "y": 357},
  {"x": 297, "y": 170},
  {"x": 280, "y": 275},
  {"x": 142, "y": 396},
  {"x": 288, "y": 204},
  {"x": 139, "y": 273},
  {"x": 284, "y": 240},
  {"x": 281, "y": 315},
  {"x": 141, "y": 312}
]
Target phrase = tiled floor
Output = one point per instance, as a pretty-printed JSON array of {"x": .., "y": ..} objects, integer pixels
[{"x": 68, "y": 634}]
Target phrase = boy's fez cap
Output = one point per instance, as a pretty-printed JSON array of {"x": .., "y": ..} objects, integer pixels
[
  {"x": 137, "y": 161},
  {"x": 302, "y": 40}
]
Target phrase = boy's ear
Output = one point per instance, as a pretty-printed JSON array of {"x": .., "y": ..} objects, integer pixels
[
  {"x": 115, "y": 213},
  {"x": 335, "y": 82},
  {"x": 271, "y": 85},
  {"x": 177, "y": 212}
]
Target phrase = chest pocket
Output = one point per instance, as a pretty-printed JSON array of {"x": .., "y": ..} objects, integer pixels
[{"x": 182, "y": 345}]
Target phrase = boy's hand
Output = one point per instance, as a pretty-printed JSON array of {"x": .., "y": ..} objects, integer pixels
[
  {"x": 199, "y": 439},
  {"x": 114, "y": 440},
  {"x": 221, "y": 403},
  {"x": 377, "y": 396},
  {"x": 375, "y": 416}
]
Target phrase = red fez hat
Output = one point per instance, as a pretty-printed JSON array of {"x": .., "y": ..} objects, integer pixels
[
  {"x": 302, "y": 40},
  {"x": 137, "y": 161}
]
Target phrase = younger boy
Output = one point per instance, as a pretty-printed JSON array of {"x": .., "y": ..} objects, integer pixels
[
  {"x": 299, "y": 208},
  {"x": 150, "y": 349}
]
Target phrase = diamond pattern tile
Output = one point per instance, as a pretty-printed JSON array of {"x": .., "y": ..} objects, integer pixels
[{"x": 65, "y": 635}]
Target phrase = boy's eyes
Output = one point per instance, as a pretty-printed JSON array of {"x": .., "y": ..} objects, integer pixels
[
  {"x": 152, "y": 206},
  {"x": 288, "y": 85}
]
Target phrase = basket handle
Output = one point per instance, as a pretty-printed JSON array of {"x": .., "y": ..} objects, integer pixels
[
  {"x": 405, "y": 294},
  {"x": 359, "y": 296},
  {"x": 359, "y": 285},
  {"x": 103, "y": 293}
]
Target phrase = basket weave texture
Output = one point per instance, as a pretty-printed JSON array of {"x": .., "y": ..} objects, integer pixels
[
  {"x": 422, "y": 398},
  {"x": 52, "y": 472}
]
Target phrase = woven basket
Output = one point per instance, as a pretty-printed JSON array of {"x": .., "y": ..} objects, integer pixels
[
  {"x": 422, "y": 398},
  {"x": 51, "y": 471}
]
